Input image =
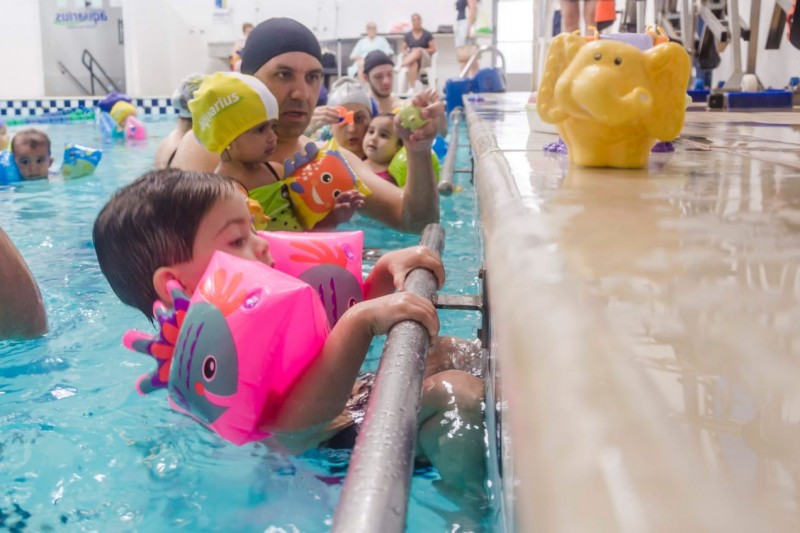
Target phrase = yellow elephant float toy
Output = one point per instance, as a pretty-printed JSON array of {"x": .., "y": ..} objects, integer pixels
[{"x": 611, "y": 101}]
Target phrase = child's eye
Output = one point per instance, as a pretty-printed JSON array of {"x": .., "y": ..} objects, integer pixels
[{"x": 238, "y": 243}]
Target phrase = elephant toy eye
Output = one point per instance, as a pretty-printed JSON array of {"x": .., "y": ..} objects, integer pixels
[
  {"x": 617, "y": 60},
  {"x": 598, "y": 56}
]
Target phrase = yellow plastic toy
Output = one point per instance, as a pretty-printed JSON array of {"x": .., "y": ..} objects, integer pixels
[
  {"x": 316, "y": 179},
  {"x": 122, "y": 110},
  {"x": 610, "y": 101}
]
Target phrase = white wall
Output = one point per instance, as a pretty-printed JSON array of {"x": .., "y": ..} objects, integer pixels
[
  {"x": 20, "y": 50},
  {"x": 167, "y": 39}
]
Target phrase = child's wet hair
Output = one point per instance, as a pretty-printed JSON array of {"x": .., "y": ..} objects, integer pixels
[
  {"x": 152, "y": 223},
  {"x": 32, "y": 138}
]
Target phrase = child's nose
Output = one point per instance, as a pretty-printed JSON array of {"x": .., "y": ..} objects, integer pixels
[{"x": 262, "y": 251}]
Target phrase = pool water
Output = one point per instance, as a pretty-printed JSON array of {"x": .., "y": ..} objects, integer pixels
[{"x": 81, "y": 451}]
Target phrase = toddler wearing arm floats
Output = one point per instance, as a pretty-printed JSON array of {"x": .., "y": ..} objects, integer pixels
[{"x": 166, "y": 226}]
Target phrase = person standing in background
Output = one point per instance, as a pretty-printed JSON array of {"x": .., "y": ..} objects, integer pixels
[
  {"x": 466, "y": 11},
  {"x": 571, "y": 15}
]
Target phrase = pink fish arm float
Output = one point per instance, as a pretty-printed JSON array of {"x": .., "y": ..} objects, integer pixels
[
  {"x": 229, "y": 354},
  {"x": 329, "y": 262},
  {"x": 315, "y": 179}
]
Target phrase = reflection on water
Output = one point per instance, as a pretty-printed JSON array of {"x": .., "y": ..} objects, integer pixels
[{"x": 691, "y": 267}]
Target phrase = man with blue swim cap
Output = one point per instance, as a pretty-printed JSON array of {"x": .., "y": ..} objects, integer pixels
[{"x": 287, "y": 58}]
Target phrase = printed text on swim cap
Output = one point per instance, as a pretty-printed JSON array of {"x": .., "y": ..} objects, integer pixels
[{"x": 221, "y": 103}]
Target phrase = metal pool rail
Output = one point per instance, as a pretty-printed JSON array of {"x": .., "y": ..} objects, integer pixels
[
  {"x": 375, "y": 492},
  {"x": 449, "y": 167}
]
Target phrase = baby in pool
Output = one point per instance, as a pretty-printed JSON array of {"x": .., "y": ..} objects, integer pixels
[{"x": 31, "y": 150}]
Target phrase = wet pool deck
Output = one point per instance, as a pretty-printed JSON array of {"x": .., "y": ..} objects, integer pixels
[{"x": 647, "y": 325}]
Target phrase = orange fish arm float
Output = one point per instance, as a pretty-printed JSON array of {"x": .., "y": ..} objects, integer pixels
[{"x": 316, "y": 179}]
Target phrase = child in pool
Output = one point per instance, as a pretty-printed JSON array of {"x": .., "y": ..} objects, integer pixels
[
  {"x": 234, "y": 115},
  {"x": 31, "y": 150},
  {"x": 381, "y": 143},
  {"x": 166, "y": 226}
]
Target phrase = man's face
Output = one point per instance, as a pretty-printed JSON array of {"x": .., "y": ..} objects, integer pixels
[
  {"x": 381, "y": 80},
  {"x": 32, "y": 163},
  {"x": 294, "y": 78},
  {"x": 372, "y": 30}
]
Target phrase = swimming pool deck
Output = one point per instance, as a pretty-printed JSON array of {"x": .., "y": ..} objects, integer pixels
[{"x": 646, "y": 324}]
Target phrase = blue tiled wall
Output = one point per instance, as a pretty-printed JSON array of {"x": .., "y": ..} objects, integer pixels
[{"x": 27, "y": 108}]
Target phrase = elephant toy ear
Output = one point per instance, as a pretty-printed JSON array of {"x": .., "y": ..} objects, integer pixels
[
  {"x": 561, "y": 52},
  {"x": 669, "y": 68}
]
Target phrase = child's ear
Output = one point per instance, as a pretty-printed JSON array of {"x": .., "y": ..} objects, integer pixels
[{"x": 161, "y": 277}]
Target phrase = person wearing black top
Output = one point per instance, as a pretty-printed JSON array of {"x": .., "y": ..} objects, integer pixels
[{"x": 418, "y": 46}]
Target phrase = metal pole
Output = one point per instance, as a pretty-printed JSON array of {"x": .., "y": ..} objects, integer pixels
[
  {"x": 494, "y": 32},
  {"x": 734, "y": 82},
  {"x": 375, "y": 493},
  {"x": 448, "y": 169}
]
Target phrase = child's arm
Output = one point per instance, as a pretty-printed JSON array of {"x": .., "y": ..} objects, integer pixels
[
  {"x": 322, "y": 392},
  {"x": 392, "y": 268},
  {"x": 21, "y": 311}
]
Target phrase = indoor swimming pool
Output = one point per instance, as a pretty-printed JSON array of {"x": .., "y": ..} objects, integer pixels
[{"x": 80, "y": 450}]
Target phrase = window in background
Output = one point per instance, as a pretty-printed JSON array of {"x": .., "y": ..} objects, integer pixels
[{"x": 515, "y": 34}]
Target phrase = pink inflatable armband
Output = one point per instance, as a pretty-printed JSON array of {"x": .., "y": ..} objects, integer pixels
[
  {"x": 329, "y": 262},
  {"x": 229, "y": 355},
  {"x": 134, "y": 130}
]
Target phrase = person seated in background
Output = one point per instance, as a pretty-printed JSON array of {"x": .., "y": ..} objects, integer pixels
[
  {"x": 31, "y": 151},
  {"x": 169, "y": 145},
  {"x": 379, "y": 76},
  {"x": 418, "y": 47},
  {"x": 22, "y": 313},
  {"x": 364, "y": 46},
  {"x": 166, "y": 226},
  {"x": 3, "y": 136},
  {"x": 236, "y": 57},
  {"x": 381, "y": 143}
]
